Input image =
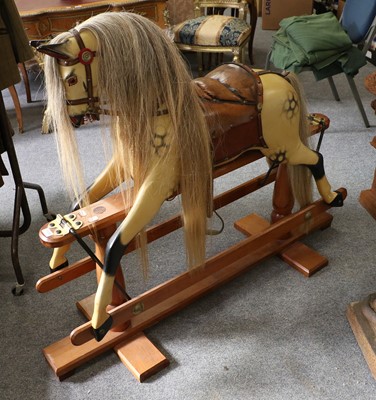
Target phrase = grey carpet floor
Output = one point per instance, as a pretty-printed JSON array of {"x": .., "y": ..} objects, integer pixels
[{"x": 269, "y": 334}]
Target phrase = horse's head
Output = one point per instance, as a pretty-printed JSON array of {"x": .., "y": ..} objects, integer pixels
[{"x": 78, "y": 68}]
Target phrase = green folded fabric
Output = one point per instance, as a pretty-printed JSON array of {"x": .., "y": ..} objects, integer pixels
[{"x": 318, "y": 41}]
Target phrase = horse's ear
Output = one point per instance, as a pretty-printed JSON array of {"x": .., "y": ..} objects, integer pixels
[{"x": 53, "y": 50}]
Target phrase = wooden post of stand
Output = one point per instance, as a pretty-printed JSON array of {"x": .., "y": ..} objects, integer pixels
[
  {"x": 298, "y": 255},
  {"x": 283, "y": 199}
]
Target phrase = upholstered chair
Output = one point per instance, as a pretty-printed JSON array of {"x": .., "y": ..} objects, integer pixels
[{"x": 220, "y": 26}]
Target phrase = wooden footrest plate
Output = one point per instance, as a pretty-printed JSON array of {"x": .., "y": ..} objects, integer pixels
[
  {"x": 303, "y": 258},
  {"x": 141, "y": 357},
  {"x": 137, "y": 353},
  {"x": 297, "y": 255}
]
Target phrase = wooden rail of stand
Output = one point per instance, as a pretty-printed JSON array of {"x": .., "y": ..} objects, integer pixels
[{"x": 215, "y": 271}]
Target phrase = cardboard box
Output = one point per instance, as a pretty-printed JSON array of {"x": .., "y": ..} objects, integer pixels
[{"x": 273, "y": 11}]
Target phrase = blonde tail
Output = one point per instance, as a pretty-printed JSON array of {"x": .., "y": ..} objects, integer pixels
[{"x": 300, "y": 176}]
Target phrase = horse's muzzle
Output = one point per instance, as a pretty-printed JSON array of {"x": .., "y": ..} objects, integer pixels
[{"x": 78, "y": 120}]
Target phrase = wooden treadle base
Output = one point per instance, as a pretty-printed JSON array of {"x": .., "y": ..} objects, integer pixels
[
  {"x": 297, "y": 255},
  {"x": 364, "y": 331},
  {"x": 137, "y": 353}
]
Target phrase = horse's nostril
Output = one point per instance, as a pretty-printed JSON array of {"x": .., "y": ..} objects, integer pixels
[{"x": 76, "y": 121}]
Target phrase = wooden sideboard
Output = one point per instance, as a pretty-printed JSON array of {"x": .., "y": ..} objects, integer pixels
[{"x": 46, "y": 18}]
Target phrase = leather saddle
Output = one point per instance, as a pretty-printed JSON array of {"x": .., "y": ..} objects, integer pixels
[{"x": 232, "y": 97}]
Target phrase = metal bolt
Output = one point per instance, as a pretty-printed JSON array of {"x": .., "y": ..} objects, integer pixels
[{"x": 138, "y": 308}]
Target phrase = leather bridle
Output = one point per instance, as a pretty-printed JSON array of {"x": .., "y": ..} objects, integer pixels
[{"x": 85, "y": 57}]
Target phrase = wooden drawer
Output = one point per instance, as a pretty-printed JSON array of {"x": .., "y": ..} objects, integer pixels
[{"x": 50, "y": 22}]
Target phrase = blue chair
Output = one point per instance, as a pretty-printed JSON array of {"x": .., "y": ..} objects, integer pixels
[{"x": 358, "y": 21}]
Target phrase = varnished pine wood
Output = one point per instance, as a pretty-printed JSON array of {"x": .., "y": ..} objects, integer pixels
[
  {"x": 141, "y": 357},
  {"x": 84, "y": 266},
  {"x": 299, "y": 256},
  {"x": 137, "y": 353},
  {"x": 115, "y": 211},
  {"x": 283, "y": 199},
  {"x": 303, "y": 258},
  {"x": 65, "y": 275},
  {"x": 173, "y": 295}
]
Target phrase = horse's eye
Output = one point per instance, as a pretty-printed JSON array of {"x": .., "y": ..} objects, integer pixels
[{"x": 72, "y": 80}]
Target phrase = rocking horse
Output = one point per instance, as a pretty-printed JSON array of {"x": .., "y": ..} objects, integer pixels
[{"x": 168, "y": 134}]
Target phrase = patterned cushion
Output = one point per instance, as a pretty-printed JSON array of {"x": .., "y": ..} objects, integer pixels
[{"x": 212, "y": 30}]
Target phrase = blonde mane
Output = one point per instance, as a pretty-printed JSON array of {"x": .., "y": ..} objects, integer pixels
[{"x": 140, "y": 71}]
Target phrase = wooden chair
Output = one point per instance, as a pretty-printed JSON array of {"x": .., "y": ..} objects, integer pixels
[{"x": 219, "y": 26}]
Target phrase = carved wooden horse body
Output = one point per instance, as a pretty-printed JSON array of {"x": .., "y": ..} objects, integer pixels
[{"x": 164, "y": 127}]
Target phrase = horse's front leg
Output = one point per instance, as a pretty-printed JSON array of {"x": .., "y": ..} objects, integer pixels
[
  {"x": 104, "y": 184},
  {"x": 158, "y": 186}
]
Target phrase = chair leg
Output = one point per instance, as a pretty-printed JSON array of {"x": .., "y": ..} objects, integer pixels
[
  {"x": 17, "y": 106},
  {"x": 267, "y": 62},
  {"x": 25, "y": 77},
  {"x": 253, "y": 20},
  {"x": 333, "y": 87},
  {"x": 200, "y": 66},
  {"x": 358, "y": 100}
]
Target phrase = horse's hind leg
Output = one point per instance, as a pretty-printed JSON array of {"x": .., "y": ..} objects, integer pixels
[{"x": 315, "y": 162}]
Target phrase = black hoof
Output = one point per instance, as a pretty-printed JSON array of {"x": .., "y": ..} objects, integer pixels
[
  {"x": 100, "y": 333},
  {"x": 338, "y": 200},
  {"x": 59, "y": 267},
  {"x": 50, "y": 216}
]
